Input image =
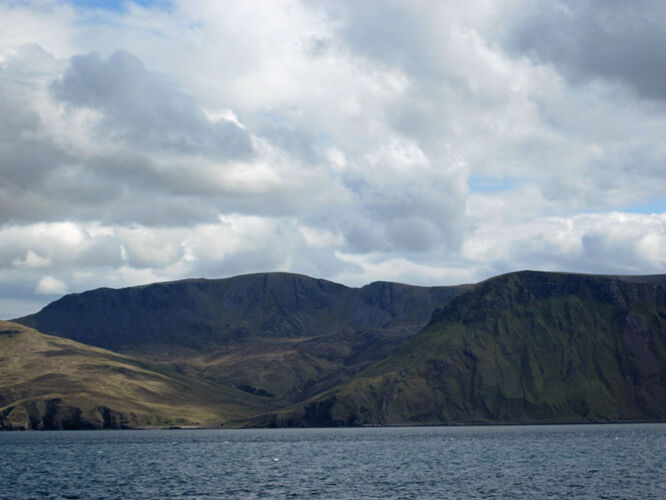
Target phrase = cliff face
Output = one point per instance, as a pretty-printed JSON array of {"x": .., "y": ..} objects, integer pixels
[
  {"x": 524, "y": 347},
  {"x": 199, "y": 312},
  {"x": 279, "y": 335},
  {"x": 281, "y": 349}
]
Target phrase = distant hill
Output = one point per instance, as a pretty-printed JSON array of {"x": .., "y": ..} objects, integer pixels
[
  {"x": 49, "y": 382},
  {"x": 275, "y": 334},
  {"x": 525, "y": 347},
  {"x": 280, "y": 349}
]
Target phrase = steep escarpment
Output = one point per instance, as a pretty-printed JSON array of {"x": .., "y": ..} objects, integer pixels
[
  {"x": 523, "y": 347},
  {"x": 198, "y": 312},
  {"x": 274, "y": 334},
  {"x": 284, "y": 350}
]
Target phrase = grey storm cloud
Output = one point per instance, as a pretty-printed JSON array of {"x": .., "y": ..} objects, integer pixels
[
  {"x": 144, "y": 109},
  {"x": 23, "y": 153},
  {"x": 397, "y": 34},
  {"x": 405, "y": 36},
  {"x": 616, "y": 40},
  {"x": 44, "y": 179}
]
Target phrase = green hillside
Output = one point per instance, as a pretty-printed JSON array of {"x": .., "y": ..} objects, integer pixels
[
  {"x": 520, "y": 348},
  {"x": 288, "y": 350},
  {"x": 278, "y": 335},
  {"x": 48, "y": 382}
]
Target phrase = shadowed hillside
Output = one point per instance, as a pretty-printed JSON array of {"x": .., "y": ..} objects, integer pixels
[
  {"x": 523, "y": 347},
  {"x": 276, "y": 335}
]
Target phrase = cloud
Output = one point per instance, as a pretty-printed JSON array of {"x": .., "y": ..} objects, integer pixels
[
  {"x": 618, "y": 41},
  {"x": 426, "y": 142},
  {"x": 31, "y": 261},
  {"x": 321, "y": 238},
  {"x": 143, "y": 109},
  {"x": 605, "y": 243},
  {"x": 130, "y": 148},
  {"x": 49, "y": 285}
]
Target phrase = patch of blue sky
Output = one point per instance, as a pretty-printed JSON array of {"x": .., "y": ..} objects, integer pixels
[
  {"x": 324, "y": 140},
  {"x": 119, "y": 5},
  {"x": 656, "y": 206},
  {"x": 482, "y": 184}
]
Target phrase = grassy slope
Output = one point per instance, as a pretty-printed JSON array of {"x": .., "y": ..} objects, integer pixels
[
  {"x": 524, "y": 347},
  {"x": 51, "y": 382},
  {"x": 281, "y": 334}
]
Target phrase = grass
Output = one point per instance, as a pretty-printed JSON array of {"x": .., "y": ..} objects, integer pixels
[
  {"x": 517, "y": 349},
  {"x": 48, "y": 381},
  {"x": 520, "y": 348}
]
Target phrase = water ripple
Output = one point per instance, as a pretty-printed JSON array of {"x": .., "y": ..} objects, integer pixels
[{"x": 594, "y": 461}]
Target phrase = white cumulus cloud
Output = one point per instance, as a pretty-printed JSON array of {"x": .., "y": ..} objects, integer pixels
[{"x": 49, "y": 285}]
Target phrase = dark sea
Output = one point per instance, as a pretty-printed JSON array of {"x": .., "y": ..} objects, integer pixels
[{"x": 569, "y": 461}]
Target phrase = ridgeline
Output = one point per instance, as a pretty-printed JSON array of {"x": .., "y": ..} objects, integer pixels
[{"x": 280, "y": 349}]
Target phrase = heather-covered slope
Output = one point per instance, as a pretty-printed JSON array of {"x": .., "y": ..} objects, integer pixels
[
  {"x": 49, "y": 382},
  {"x": 276, "y": 335},
  {"x": 523, "y": 347}
]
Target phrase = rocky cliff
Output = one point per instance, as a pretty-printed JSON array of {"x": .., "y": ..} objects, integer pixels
[{"x": 520, "y": 348}]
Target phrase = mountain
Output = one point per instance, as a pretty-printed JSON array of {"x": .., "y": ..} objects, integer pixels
[
  {"x": 281, "y": 349},
  {"x": 282, "y": 336},
  {"x": 525, "y": 347},
  {"x": 49, "y": 382}
]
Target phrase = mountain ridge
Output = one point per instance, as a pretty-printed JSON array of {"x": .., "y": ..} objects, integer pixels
[
  {"x": 283, "y": 334},
  {"x": 522, "y": 347},
  {"x": 567, "y": 348}
]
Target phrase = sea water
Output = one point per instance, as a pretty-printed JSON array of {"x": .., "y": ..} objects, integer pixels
[{"x": 572, "y": 461}]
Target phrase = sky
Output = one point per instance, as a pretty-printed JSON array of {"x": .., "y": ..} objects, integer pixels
[{"x": 425, "y": 142}]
